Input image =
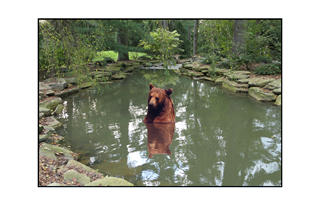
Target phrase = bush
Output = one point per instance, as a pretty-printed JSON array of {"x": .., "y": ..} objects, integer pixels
[{"x": 269, "y": 69}]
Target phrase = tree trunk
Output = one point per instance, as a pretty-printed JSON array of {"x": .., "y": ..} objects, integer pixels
[
  {"x": 239, "y": 29},
  {"x": 189, "y": 38},
  {"x": 123, "y": 41},
  {"x": 195, "y": 37},
  {"x": 165, "y": 24}
]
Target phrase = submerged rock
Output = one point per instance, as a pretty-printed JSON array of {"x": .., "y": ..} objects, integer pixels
[
  {"x": 260, "y": 95},
  {"x": 110, "y": 181}
]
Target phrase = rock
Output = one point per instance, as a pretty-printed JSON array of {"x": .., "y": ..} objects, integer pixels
[
  {"x": 56, "y": 184},
  {"x": 67, "y": 154},
  {"x": 44, "y": 111},
  {"x": 51, "y": 103},
  {"x": 81, "y": 178},
  {"x": 73, "y": 163},
  {"x": 85, "y": 85},
  {"x": 143, "y": 58},
  {"x": 243, "y": 81},
  {"x": 40, "y": 128},
  {"x": 259, "y": 82},
  {"x": 148, "y": 64},
  {"x": 53, "y": 123},
  {"x": 219, "y": 80},
  {"x": 67, "y": 92},
  {"x": 41, "y": 115},
  {"x": 110, "y": 181},
  {"x": 118, "y": 76},
  {"x": 221, "y": 71},
  {"x": 234, "y": 86},
  {"x": 50, "y": 93},
  {"x": 48, "y": 153},
  {"x": 277, "y": 91},
  {"x": 273, "y": 85},
  {"x": 278, "y": 101},
  {"x": 58, "y": 109},
  {"x": 208, "y": 79},
  {"x": 58, "y": 84},
  {"x": 41, "y": 94},
  {"x": 71, "y": 80},
  {"x": 259, "y": 95},
  {"x": 236, "y": 76},
  {"x": 43, "y": 86},
  {"x": 192, "y": 73},
  {"x": 129, "y": 69}
]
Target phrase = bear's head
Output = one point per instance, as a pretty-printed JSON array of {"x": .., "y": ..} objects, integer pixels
[{"x": 157, "y": 97}]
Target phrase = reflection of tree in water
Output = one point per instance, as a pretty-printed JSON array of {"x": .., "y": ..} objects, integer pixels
[{"x": 161, "y": 77}]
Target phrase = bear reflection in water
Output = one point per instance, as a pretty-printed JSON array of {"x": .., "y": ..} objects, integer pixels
[{"x": 159, "y": 138}]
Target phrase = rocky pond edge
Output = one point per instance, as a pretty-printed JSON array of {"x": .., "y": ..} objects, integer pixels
[{"x": 58, "y": 166}]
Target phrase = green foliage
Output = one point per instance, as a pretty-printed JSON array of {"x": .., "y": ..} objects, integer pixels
[
  {"x": 254, "y": 50},
  {"x": 163, "y": 44},
  {"x": 269, "y": 69}
]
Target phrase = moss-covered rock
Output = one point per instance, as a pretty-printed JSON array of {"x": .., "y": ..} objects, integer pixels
[
  {"x": 67, "y": 154},
  {"x": 259, "y": 82},
  {"x": 40, "y": 128},
  {"x": 118, "y": 76},
  {"x": 67, "y": 92},
  {"x": 44, "y": 110},
  {"x": 73, "y": 163},
  {"x": 85, "y": 85},
  {"x": 277, "y": 91},
  {"x": 192, "y": 73},
  {"x": 234, "y": 86},
  {"x": 81, "y": 178},
  {"x": 56, "y": 83},
  {"x": 278, "y": 101},
  {"x": 110, "y": 181},
  {"x": 58, "y": 109},
  {"x": 273, "y": 85},
  {"x": 52, "y": 122},
  {"x": 260, "y": 95},
  {"x": 221, "y": 71},
  {"x": 51, "y": 103},
  {"x": 48, "y": 153},
  {"x": 220, "y": 80}
]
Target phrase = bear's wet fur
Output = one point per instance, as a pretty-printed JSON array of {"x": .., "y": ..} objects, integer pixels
[{"x": 160, "y": 106}]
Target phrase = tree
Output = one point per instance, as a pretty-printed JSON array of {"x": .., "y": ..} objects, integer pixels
[
  {"x": 163, "y": 44},
  {"x": 239, "y": 30},
  {"x": 123, "y": 41},
  {"x": 195, "y": 37}
]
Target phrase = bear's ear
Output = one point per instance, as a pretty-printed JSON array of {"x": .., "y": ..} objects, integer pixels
[
  {"x": 151, "y": 86},
  {"x": 169, "y": 91}
]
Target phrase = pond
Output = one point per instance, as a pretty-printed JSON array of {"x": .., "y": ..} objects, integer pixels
[{"x": 220, "y": 138}]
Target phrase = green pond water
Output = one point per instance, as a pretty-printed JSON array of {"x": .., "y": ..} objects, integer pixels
[{"x": 219, "y": 138}]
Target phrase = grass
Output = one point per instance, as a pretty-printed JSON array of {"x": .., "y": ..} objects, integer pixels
[{"x": 114, "y": 55}]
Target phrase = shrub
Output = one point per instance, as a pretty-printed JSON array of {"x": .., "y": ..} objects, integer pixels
[{"x": 269, "y": 69}]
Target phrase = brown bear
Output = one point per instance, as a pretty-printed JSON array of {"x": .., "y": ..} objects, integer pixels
[
  {"x": 160, "y": 106},
  {"x": 159, "y": 138}
]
